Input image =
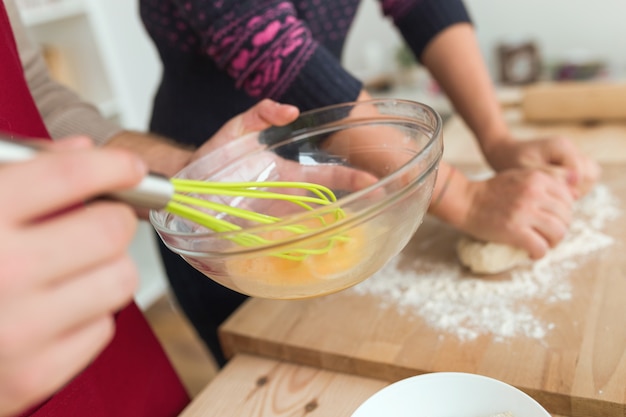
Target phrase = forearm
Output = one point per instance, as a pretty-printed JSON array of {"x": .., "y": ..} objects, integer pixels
[
  {"x": 162, "y": 155},
  {"x": 450, "y": 200},
  {"x": 455, "y": 61}
]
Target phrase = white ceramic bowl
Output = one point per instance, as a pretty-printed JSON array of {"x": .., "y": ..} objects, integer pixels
[{"x": 449, "y": 394}]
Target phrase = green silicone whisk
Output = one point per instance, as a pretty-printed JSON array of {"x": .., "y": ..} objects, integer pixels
[{"x": 178, "y": 197}]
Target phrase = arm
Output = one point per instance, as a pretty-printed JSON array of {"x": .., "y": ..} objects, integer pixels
[
  {"x": 441, "y": 36},
  {"x": 454, "y": 59},
  {"x": 525, "y": 208},
  {"x": 167, "y": 157}
]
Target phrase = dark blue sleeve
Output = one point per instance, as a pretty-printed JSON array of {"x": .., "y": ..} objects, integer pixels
[
  {"x": 322, "y": 81},
  {"x": 419, "y": 21}
]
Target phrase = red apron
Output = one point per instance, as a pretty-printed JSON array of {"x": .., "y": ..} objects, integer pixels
[{"x": 132, "y": 376}]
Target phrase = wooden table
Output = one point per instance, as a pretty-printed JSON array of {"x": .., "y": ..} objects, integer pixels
[
  {"x": 255, "y": 386},
  {"x": 292, "y": 358}
]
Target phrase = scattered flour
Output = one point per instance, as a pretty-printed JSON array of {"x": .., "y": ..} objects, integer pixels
[{"x": 451, "y": 300}]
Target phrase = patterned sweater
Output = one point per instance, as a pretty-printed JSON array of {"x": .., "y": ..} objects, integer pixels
[{"x": 222, "y": 56}]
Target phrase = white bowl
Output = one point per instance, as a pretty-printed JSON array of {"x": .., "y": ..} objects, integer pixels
[{"x": 449, "y": 394}]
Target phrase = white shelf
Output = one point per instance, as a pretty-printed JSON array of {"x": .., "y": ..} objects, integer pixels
[{"x": 51, "y": 12}]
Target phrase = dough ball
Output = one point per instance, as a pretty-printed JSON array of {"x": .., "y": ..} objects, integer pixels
[{"x": 488, "y": 257}]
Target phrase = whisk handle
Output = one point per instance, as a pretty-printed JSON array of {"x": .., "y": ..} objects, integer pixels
[
  {"x": 11, "y": 151},
  {"x": 153, "y": 192}
]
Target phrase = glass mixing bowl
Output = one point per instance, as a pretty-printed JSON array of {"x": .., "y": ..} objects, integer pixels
[{"x": 380, "y": 159}]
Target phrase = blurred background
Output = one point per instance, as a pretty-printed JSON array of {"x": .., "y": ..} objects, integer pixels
[{"x": 563, "y": 31}]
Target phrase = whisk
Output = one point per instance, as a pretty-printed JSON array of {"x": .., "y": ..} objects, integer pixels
[{"x": 176, "y": 196}]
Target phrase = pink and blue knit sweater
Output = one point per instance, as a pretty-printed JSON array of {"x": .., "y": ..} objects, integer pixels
[{"x": 221, "y": 56}]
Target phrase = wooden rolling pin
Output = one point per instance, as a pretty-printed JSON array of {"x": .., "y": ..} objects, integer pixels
[{"x": 574, "y": 102}]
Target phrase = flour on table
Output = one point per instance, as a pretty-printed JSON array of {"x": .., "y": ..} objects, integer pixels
[{"x": 450, "y": 300}]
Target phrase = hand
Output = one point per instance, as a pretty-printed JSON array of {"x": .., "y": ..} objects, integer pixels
[
  {"x": 64, "y": 270},
  {"x": 237, "y": 138},
  {"x": 525, "y": 208},
  {"x": 556, "y": 154},
  {"x": 264, "y": 114}
]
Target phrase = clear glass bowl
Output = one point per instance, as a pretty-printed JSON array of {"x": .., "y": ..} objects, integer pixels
[{"x": 379, "y": 157}]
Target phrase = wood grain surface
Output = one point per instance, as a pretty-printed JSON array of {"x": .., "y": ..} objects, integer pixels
[
  {"x": 577, "y": 369},
  {"x": 251, "y": 386}
]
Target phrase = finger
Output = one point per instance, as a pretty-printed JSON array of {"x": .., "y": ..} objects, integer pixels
[
  {"x": 268, "y": 113},
  {"x": 583, "y": 169},
  {"x": 531, "y": 241},
  {"x": 72, "y": 142},
  {"x": 338, "y": 177},
  {"x": 561, "y": 174},
  {"x": 68, "y": 243},
  {"x": 264, "y": 114},
  {"x": 552, "y": 228},
  {"x": 556, "y": 184},
  {"x": 558, "y": 203},
  {"x": 56, "y": 180},
  {"x": 35, "y": 378},
  {"x": 591, "y": 174},
  {"x": 51, "y": 312}
]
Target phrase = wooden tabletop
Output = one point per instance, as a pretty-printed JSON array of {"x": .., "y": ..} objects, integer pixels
[
  {"x": 255, "y": 386},
  {"x": 281, "y": 381}
]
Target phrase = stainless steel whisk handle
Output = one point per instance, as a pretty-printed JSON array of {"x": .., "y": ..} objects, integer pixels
[{"x": 154, "y": 192}]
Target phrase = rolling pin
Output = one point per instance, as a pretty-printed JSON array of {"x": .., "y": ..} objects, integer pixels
[{"x": 574, "y": 102}]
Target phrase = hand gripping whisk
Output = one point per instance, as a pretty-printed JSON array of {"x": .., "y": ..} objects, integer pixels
[{"x": 176, "y": 196}]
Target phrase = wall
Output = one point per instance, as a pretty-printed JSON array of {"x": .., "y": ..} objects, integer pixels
[
  {"x": 131, "y": 59},
  {"x": 559, "y": 26},
  {"x": 134, "y": 68}
]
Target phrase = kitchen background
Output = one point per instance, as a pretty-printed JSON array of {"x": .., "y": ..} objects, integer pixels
[{"x": 99, "y": 48}]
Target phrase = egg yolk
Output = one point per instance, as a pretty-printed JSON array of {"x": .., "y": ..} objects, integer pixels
[{"x": 339, "y": 255}]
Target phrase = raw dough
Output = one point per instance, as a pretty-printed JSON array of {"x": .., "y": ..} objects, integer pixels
[{"x": 488, "y": 257}]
